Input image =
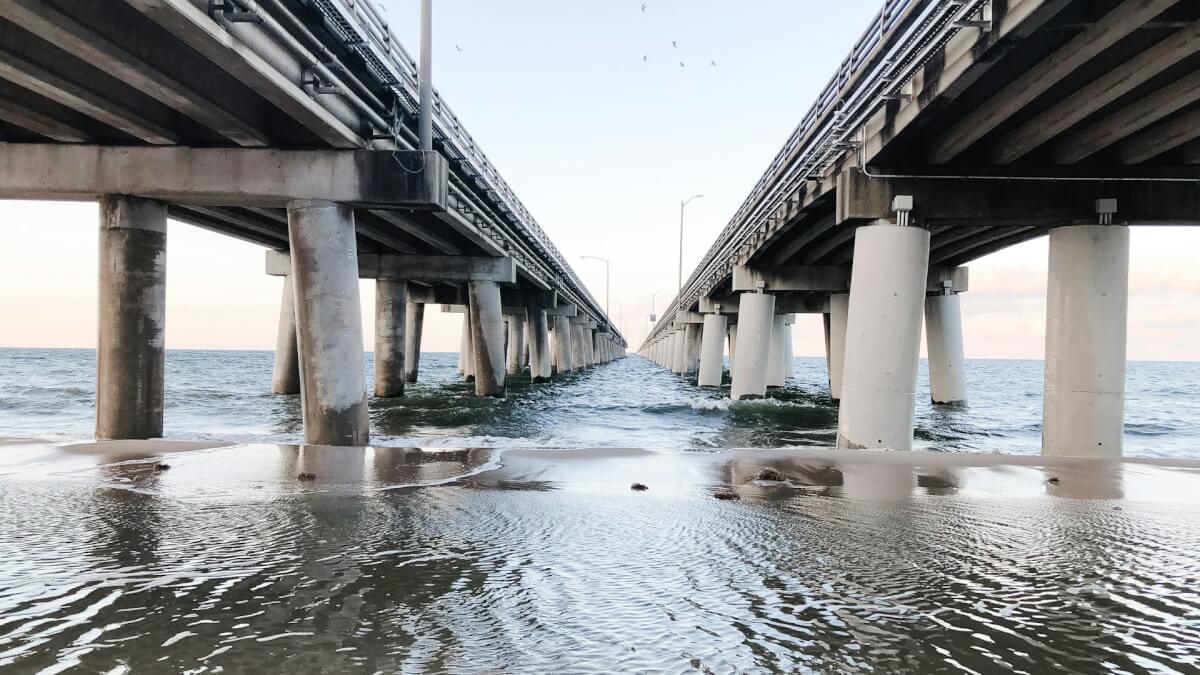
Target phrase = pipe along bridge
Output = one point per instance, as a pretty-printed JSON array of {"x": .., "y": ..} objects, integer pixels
[
  {"x": 956, "y": 128},
  {"x": 292, "y": 124}
]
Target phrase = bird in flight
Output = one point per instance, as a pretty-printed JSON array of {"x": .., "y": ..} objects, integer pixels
[
  {"x": 713, "y": 64},
  {"x": 674, "y": 45},
  {"x": 643, "y": 7},
  {"x": 645, "y": 58},
  {"x": 458, "y": 48},
  {"x": 681, "y": 65}
]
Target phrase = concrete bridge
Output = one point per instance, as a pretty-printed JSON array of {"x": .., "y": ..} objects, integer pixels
[
  {"x": 952, "y": 130},
  {"x": 303, "y": 126}
]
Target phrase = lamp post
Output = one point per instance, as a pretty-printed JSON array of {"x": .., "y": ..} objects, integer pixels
[
  {"x": 681, "y": 206},
  {"x": 425, "y": 79},
  {"x": 606, "y": 283}
]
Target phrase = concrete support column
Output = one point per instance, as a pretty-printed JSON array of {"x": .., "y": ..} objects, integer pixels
[
  {"x": 286, "y": 378},
  {"x": 776, "y": 369},
  {"x": 883, "y": 337},
  {"x": 835, "y": 341},
  {"x": 732, "y": 347},
  {"x": 577, "y": 362},
  {"x": 692, "y": 335},
  {"x": 130, "y": 352},
  {"x": 466, "y": 352},
  {"x": 679, "y": 352},
  {"x": 562, "y": 345},
  {"x": 712, "y": 350},
  {"x": 1086, "y": 315},
  {"x": 539, "y": 345},
  {"x": 944, "y": 341},
  {"x": 487, "y": 337},
  {"x": 756, "y": 315},
  {"x": 516, "y": 344},
  {"x": 391, "y": 300},
  {"x": 329, "y": 323},
  {"x": 414, "y": 324}
]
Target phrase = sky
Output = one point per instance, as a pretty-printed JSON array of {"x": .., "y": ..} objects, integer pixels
[{"x": 585, "y": 109}]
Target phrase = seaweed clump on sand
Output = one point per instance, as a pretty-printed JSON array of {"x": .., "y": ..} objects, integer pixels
[
  {"x": 726, "y": 495},
  {"x": 638, "y": 487},
  {"x": 305, "y": 476},
  {"x": 771, "y": 475}
]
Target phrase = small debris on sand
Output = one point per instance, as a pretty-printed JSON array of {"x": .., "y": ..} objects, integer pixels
[
  {"x": 638, "y": 487},
  {"x": 726, "y": 495},
  {"x": 306, "y": 476},
  {"x": 770, "y": 474},
  {"x": 1052, "y": 479},
  {"x": 161, "y": 466}
]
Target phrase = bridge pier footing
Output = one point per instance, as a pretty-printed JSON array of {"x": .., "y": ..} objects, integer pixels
[
  {"x": 286, "y": 376},
  {"x": 540, "y": 369},
  {"x": 515, "y": 345},
  {"x": 414, "y": 324},
  {"x": 712, "y": 350},
  {"x": 943, "y": 339},
  {"x": 1086, "y": 316},
  {"x": 756, "y": 323},
  {"x": 391, "y": 301},
  {"x": 130, "y": 352},
  {"x": 329, "y": 323},
  {"x": 883, "y": 337},
  {"x": 562, "y": 345},
  {"x": 487, "y": 336}
]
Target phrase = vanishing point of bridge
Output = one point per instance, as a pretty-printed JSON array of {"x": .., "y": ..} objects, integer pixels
[
  {"x": 954, "y": 129},
  {"x": 304, "y": 126}
]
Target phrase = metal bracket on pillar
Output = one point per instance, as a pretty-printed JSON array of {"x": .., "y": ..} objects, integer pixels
[{"x": 1105, "y": 208}]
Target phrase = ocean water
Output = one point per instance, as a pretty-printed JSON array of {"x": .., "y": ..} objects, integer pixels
[{"x": 630, "y": 403}]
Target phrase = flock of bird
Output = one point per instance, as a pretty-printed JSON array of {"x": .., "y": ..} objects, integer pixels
[{"x": 645, "y": 57}]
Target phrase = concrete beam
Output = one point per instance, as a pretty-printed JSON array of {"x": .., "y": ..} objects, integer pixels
[
  {"x": 1124, "y": 19},
  {"x": 808, "y": 278},
  {"x": 224, "y": 176},
  {"x": 562, "y": 310},
  {"x": 436, "y": 295},
  {"x": 417, "y": 267},
  {"x": 228, "y": 46},
  {"x": 1129, "y": 120},
  {"x": 42, "y": 124},
  {"x": 1105, "y": 89},
  {"x": 48, "y": 85},
  {"x": 1160, "y": 138},
  {"x": 511, "y": 310},
  {"x": 965, "y": 201},
  {"x": 85, "y": 43}
]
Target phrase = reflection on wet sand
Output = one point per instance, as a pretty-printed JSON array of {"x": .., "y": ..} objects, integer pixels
[{"x": 407, "y": 559}]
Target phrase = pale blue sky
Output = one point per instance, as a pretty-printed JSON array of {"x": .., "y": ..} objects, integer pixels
[{"x": 601, "y": 147}]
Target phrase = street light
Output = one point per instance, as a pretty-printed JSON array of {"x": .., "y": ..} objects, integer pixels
[
  {"x": 606, "y": 284},
  {"x": 681, "y": 205}
]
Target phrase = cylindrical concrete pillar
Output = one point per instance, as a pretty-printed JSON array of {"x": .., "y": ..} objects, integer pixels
[
  {"x": 756, "y": 316},
  {"x": 464, "y": 344},
  {"x": 286, "y": 378},
  {"x": 562, "y": 345},
  {"x": 883, "y": 337},
  {"x": 712, "y": 350},
  {"x": 467, "y": 356},
  {"x": 487, "y": 337},
  {"x": 414, "y": 324},
  {"x": 130, "y": 349},
  {"x": 539, "y": 345},
  {"x": 732, "y": 347},
  {"x": 516, "y": 344},
  {"x": 692, "y": 336},
  {"x": 391, "y": 301},
  {"x": 329, "y": 323},
  {"x": 1087, "y": 307},
  {"x": 776, "y": 370},
  {"x": 577, "y": 362},
  {"x": 944, "y": 342},
  {"x": 679, "y": 351},
  {"x": 839, "y": 311}
]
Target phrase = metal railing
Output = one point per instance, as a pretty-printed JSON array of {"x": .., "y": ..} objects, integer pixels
[
  {"x": 901, "y": 38},
  {"x": 363, "y": 28}
]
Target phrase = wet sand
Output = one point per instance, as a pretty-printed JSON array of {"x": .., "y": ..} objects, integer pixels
[{"x": 543, "y": 560}]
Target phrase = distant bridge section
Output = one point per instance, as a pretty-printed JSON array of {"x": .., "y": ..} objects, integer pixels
[{"x": 956, "y": 128}]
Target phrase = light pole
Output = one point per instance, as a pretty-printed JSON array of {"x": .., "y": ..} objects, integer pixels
[
  {"x": 681, "y": 205},
  {"x": 606, "y": 283},
  {"x": 425, "y": 79}
]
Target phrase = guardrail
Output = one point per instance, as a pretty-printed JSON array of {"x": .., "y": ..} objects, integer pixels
[
  {"x": 901, "y": 38},
  {"x": 365, "y": 30}
]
